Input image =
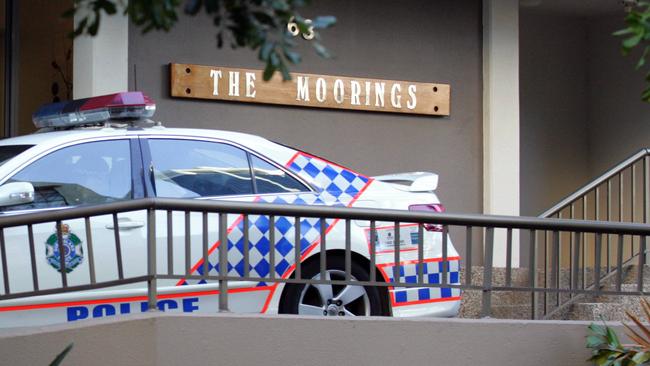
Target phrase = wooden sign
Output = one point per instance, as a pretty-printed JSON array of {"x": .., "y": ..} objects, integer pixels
[{"x": 308, "y": 90}]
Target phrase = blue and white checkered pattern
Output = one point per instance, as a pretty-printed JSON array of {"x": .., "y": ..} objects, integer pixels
[
  {"x": 340, "y": 187},
  {"x": 432, "y": 274},
  {"x": 338, "y": 184}
]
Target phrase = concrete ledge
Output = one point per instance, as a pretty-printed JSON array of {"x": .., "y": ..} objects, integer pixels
[{"x": 235, "y": 339}]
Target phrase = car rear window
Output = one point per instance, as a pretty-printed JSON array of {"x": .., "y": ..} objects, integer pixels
[{"x": 8, "y": 152}]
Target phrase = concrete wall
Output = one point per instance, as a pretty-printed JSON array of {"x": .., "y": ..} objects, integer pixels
[
  {"x": 435, "y": 41},
  {"x": 159, "y": 339},
  {"x": 554, "y": 108},
  {"x": 619, "y": 122}
]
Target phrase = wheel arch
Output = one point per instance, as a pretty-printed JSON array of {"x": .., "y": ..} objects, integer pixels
[{"x": 355, "y": 257}]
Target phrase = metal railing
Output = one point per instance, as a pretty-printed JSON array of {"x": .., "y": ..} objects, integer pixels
[
  {"x": 621, "y": 194},
  {"x": 468, "y": 231}
]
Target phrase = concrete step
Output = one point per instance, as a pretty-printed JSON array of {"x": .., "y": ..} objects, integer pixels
[
  {"x": 621, "y": 299},
  {"x": 605, "y": 311},
  {"x": 511, "y": 312},
  {"x": 517, "y": 305},
  {"x": 471, "y": 303},
  {"x": 472, "y": 299},
  {"x": 520, "y": 311},
  {"x": 631, "y": 274},
  {"x": 519, "y": 276}
]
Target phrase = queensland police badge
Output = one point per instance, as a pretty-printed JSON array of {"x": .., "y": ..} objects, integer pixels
[{"x": 72, "y": 248}]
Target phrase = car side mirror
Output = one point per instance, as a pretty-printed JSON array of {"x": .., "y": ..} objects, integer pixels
[{"x": 16, "y": 193}]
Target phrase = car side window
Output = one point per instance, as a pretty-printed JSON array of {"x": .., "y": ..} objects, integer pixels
[
  {"x": 189, "y": 168},
  {"x": 271, "y": 179},
  {"x": 88, "y": 173}
]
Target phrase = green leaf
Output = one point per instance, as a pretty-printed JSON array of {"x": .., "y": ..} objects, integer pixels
[
  {"x": 192, "y": 7},
  {"x": 93, "y": 28},
  {"x": 598, "y": 329},
  {"x": 631, "y": 42},
  {"x": 59, "y": 358},
  {"x": 641, "y": 357},
  {"x": 275, "y": 59},
  {"x": 622, "y": 32},
  {"x": 602, "y": 358},
  {"x": 612, "y": 338},
  {"x": 81, "y": 27},
  {"x": 212, "y": 6},
  {"x": 322, "y": 22},
  {"x": 219, "y": 40},
  {"x": 286, "y": 76},
  {"x": 269, "y": 70},
  {"x": 263, "y": 17},
  {"x": 69, "y": 13},
  {"x": 594, "y": 341},
  {"x": 280, "y": 5},
  {"x": 321, "y": 50},
  {"x": 265, "y": 50},
  {"x": 108, "y": 6},
  {"x": 646, "y": 95},
  {"x": 641, "y": 61},
  {"x": 293, "y": 57}
]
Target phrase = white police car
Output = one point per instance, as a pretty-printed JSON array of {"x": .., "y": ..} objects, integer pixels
[{"x": 70, "y": 162}]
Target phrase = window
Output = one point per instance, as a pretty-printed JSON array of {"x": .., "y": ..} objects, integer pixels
[
  {"x": 271, "y": 179},
  {"x": 89, "y": 173},
  {"x": 8, "y": 152},
  {"x": 188, "y": 169}
]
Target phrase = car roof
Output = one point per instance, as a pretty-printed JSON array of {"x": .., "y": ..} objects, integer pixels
[{"x": 63, "y": 136}]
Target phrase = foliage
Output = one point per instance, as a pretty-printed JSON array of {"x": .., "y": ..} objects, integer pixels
[
  {"x": 59, "y": 358},
  {"x": 637, "y": 33},
  {"x": 608, "y": 350},
  {"x": 259, "y": 25}
]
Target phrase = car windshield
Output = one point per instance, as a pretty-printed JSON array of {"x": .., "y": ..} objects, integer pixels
[{"x": 8, "y": 152}]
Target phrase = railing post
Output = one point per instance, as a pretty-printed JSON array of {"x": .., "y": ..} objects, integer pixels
[
  {"x": 646, "y": 196},
  {"x": 152, "y": 290},
  {"x": 641, "y": 265},
  {"x": 486, "y": 299},
  {"x": 532, "y": 273},
  {"x": 223, "y": 262},
  {"x": 597, "y": 261},
  {"x": 555, "y": 265}
]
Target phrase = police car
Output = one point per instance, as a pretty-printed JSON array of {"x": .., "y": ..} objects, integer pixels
[{"x": 86, "y": 153}]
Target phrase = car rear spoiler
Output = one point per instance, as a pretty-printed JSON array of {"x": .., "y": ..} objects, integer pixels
[{"x": 413, "y": 181}]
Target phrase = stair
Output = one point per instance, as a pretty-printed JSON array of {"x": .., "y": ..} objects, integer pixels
[
  {"x": 505, "y": 304},
  {"x": 612, "y": 307},
  {"x": 517, "y": 305},
  {"x": 607, "y": 190}
]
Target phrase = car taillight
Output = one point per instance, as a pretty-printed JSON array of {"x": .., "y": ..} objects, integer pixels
[{"x": 432, "y": 207}]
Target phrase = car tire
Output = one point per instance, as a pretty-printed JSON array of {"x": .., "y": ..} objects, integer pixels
[{"x": 335, "y": 300}]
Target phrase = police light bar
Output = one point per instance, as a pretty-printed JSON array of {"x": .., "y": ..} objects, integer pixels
[{"x": 126, "y": 105}]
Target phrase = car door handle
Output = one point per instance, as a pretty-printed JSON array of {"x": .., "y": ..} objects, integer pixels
[{"x": 126, "y": 225}]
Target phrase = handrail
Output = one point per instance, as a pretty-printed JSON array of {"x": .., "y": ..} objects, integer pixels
[
  {"x": 596, "y": 182},
  {"x": 495, "y": 221}
]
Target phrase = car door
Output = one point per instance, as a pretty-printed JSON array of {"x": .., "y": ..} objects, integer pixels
[
  {"x": 85, "y": 173},
  {"x": 209, "y": 169}
]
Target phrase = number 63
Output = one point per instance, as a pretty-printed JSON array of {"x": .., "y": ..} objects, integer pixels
[{"x": 292, "y": 27}]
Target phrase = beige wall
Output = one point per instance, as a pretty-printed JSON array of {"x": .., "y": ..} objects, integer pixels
[
  {"x": 228, "y": 339},
  {"x": 581, "y": 111},
  {"x": 619, "y": 122},
  {"x": 555, "y": 102}
]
